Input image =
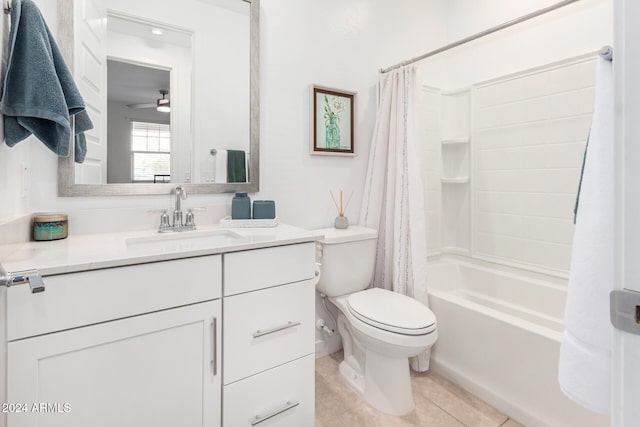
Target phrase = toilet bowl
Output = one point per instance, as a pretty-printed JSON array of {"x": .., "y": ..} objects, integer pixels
[{"x": 380, "y": 329}]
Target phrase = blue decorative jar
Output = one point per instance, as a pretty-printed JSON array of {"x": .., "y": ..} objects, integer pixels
[
  {"x": 241, "y": 206},
  {"x": 264, "y": 209}
]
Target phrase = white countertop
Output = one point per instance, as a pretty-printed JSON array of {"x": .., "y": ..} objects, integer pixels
[{"x": 96, "y": 251}]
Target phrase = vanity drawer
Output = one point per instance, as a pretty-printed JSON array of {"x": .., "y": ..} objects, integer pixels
[
  {"x": 262, "y": 268},
  {"x": 267, "y": 328},
  {"x": 286, "y": 393},
  {"x": 84, "y": 298}
]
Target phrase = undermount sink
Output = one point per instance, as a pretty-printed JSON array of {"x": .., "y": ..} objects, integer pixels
[{"x": 184, "y": 238}]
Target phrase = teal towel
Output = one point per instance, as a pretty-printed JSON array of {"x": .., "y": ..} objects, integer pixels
[
  {"x": 82, "y": 124},
  {"x": 39, "y": 92},
  {"x": 584, "y": 159},
  {"x": 236, "y": 166}
]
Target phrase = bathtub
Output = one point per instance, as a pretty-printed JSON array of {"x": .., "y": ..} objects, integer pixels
[{"x": 499, "y": 337}]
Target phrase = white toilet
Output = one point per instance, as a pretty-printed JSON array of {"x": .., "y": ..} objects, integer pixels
[{"x": 380, "y": 329}]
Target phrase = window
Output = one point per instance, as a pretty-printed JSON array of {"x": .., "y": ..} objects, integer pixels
[{"x": 151, "y": 152}]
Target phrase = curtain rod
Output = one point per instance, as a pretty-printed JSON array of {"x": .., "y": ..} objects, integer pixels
[{"x": 481, "y": 34}]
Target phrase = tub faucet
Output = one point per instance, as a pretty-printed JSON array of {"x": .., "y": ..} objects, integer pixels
[{"x": 178, "y": 224}]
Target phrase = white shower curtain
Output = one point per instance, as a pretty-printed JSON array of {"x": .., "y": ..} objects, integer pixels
[{"x": 393, "y": 200}]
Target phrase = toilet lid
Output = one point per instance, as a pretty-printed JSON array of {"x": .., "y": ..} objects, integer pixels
[{"x": 392, "y": 312}]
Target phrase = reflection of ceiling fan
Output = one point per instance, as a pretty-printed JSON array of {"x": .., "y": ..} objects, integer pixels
[{"x": 162, "y": 104}]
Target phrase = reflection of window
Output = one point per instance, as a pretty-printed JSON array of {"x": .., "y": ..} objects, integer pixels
[{"x": 150, "y": 150}]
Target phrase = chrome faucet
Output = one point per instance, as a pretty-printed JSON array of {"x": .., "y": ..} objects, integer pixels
[
  {"x": 177, "y": 212},
  {"x": 178, "y": 225}
]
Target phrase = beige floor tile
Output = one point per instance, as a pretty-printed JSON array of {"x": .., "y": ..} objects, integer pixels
[
  {"x": 461, "y": 404},
  {"x": 512, "y": 423},
  {"x": 439, "y": 403}
]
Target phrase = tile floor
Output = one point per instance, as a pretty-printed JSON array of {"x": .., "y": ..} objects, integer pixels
[{"x": 439, "y": 403}]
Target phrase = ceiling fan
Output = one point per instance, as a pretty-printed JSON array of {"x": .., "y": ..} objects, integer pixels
[{"x": 162, "y": 104}]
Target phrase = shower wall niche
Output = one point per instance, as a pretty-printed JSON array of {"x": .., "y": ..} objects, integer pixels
[{"x": 456, "y": 171}]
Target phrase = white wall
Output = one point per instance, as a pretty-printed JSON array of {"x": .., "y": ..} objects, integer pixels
[
  {"x": 335, "y": 43},
  {"x": 342, "y": 44},
  {"x": 579, "y": 28},
  {"x": 14, "y": 165},
  {"x": 338, "y": 44}
]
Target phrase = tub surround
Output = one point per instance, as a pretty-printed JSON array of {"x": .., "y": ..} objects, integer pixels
[{"x": 115, "y": 300}]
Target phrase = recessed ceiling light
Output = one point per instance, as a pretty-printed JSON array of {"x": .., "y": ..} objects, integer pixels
[{"x": 157, "y": 31}]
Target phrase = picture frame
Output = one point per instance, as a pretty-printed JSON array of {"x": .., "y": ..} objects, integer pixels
[{"x": 332, "y": 121}]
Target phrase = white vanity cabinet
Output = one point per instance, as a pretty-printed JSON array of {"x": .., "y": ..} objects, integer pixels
[
  {"x": 211, "y": 336},
  {"x": 268, "y": 346},
  {"x": 127, "y": 346}
]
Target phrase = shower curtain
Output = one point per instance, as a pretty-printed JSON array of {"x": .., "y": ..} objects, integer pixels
[{"x": 393, "y": 200}]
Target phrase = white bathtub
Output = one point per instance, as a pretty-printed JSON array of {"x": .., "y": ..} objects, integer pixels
[{"x": 499, "y": 337}]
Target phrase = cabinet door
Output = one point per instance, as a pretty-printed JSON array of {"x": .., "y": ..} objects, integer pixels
[{"x": 159, "y": 369}]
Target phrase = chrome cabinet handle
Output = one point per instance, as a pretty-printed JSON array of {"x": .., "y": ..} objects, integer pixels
[
  {"x": 262, "y": 332},
  {"x": 214, "y": 340},
  {"x": 260, "y": 418}
]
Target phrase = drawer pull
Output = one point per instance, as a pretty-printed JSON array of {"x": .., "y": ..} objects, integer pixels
[
  {"x": 260, "y": 333},
  {"x": 214, "y": 342},
  {"x": 260, "y": 418}
]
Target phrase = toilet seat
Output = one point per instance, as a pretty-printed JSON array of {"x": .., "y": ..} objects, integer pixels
[{"x": 391, "y": 312}]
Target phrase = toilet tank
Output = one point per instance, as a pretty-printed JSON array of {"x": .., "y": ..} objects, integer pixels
[{"x": 347, "y": 259}]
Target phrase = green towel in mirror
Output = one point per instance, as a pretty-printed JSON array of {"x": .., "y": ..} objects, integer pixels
[{"x": 236, "y": 166}]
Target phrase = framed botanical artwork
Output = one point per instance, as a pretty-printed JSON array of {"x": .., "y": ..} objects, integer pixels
[{"x": 332, "y": 121}]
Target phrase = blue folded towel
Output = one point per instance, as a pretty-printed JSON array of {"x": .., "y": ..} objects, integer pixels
[{"x": 39, "y": 92}]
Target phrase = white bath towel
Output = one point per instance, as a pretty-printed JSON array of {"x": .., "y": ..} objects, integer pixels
[
  {"x": 220, "y": 170},
  {"x": 585, "y": 355}
]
